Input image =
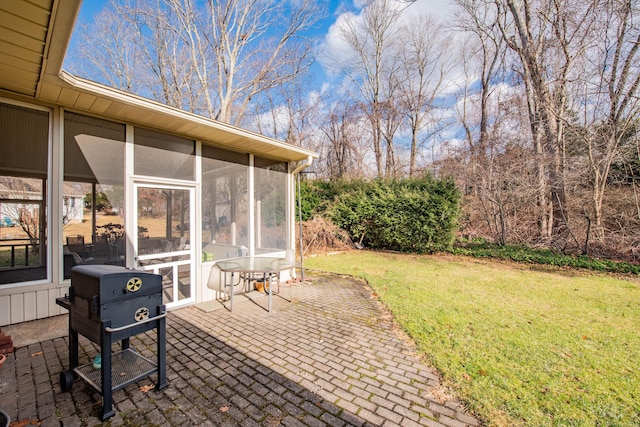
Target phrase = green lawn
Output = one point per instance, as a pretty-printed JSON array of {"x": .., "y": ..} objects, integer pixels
[
  {"x": 5, "y": 257},
  {"x": 520, "y": 347}
]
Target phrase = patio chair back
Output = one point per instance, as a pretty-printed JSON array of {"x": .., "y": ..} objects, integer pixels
[{"x": 75, "y": 243}]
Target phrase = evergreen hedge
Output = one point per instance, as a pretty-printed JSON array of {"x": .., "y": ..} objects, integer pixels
[{"x": 418, "y": 215}]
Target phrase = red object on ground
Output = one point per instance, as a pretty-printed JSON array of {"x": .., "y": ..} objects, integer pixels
[{"x": 6, "y": 343}]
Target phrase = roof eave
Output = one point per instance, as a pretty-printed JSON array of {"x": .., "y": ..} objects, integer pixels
[
  {"x": 83, "y": 95},
  {"x": 58, "y": 87}
]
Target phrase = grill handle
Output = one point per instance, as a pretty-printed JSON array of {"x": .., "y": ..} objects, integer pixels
[{"x": 122, "y": 328}]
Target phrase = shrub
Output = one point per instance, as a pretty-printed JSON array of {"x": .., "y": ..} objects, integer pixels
[
  {"x": 544, "y": 257},
  {"x": 412, "y": 215},
  {"x": 310, "y": 200}
]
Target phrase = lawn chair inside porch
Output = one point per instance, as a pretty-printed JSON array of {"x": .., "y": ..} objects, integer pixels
[{"x": 75, "y": 244}]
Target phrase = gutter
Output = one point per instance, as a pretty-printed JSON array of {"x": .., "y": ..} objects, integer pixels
[
  {"x": 230, "y": 134},
  {"x": 303, "y": 166}
]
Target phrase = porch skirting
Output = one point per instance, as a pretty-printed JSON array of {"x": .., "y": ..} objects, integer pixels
[{"x": 30, "y": 302}]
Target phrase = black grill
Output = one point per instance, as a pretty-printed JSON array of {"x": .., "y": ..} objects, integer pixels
[{"x": 108, "y": 304}]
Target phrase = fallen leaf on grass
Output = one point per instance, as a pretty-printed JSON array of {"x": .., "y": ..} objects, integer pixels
[
  {"x": 466, "y": 376},
  {"x": 38, "y": 353},
  {"x": 146, "y": 388}
]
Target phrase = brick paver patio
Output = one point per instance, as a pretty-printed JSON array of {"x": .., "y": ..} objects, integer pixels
[{"x": 330, "y": 357}]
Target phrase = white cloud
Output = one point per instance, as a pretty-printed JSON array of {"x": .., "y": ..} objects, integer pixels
[
  {"x": 441, "y": 9},
  {"x": 438, "y": 8},
  {"x": 333, "y": 43}
]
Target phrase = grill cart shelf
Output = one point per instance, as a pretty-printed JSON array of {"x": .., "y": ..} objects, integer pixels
[{"x": 108, "y": 304}]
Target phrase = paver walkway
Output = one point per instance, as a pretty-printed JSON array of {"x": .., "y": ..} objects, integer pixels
[{"x": 331, "y": 357}]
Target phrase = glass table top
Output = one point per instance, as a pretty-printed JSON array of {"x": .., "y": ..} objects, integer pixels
[{"x": 255, "y": 264}]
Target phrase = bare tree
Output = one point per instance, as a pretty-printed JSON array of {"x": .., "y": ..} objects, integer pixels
[
  {"x": 609, "y": 96},
  {"x": 258, "y": 46},
  {"x": 338, "y": 131},
  {"x": 368, "y": 63},
  {"x": 487, "y": 53},
  {"x": 546, "y": 37},
  {"x": 215, "y": 57},
  {"x": 114, "y": 60},
  {"x": 289, "y": 113},
  {"x": 425, "y": 63},
  {"x": 157, "y": 36},
  {"x": 23, "y": 206},
  {"x": 341, "y": 127},
  {"x": 481, "y": 116}
]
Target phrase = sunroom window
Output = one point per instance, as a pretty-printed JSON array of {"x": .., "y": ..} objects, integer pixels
[
  {"x": 93, "y": 192},
  {"x": 24, "y": 153},
  {"x": 270, "y": 205},
  {"x": 225, "y": 219}
]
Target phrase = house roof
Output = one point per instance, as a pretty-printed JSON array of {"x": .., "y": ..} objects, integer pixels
[{"x": 34, "y": 35}]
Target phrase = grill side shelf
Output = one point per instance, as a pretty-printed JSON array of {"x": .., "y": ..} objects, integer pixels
[
  {"x": 64, "y": 302},
  {"x": 127, "y": 367}
]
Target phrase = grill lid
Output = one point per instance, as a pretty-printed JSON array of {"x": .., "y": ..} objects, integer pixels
[{"x": 111, "y": 283}]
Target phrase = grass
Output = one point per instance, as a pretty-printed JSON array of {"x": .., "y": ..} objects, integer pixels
[
  {"x": 520, "y": 347},
  {"x": 5, "y": 256}
]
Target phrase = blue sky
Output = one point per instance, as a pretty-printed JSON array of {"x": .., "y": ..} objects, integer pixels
[
  {"x": 439, "y": 8},
  {"x": 324, "y": 35}
]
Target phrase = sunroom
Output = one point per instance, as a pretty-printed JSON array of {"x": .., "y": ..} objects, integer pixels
[{"x": 92, "y": 175}]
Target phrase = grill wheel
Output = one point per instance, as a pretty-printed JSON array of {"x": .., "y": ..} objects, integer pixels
[{"x": 66, "y": 380}]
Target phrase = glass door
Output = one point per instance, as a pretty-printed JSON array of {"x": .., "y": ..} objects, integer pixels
[{"x": 163, "y": 246}]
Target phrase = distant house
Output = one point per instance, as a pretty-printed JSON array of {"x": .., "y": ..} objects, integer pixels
[
  {"x": 72, "y": 204},
  {"x": 98, "y": 175}
]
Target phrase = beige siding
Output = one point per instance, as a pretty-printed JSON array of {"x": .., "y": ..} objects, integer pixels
[
  {"x": 16, "y": 308},
  {"x": 5, "y": 313},
  {"x": 42, "y": 304},
  {"x": 55, "y": 309},
  {"x": 25, "y": 305},
  {"x": 29, "y": 306}
]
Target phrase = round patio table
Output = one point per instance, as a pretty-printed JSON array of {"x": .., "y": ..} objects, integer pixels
[{"x": 248, "y": 267}]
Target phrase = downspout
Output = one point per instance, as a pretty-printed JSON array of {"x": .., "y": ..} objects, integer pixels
[
  {"x": 294, "y": 173},
  {"x": 303, "y": 166}
]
